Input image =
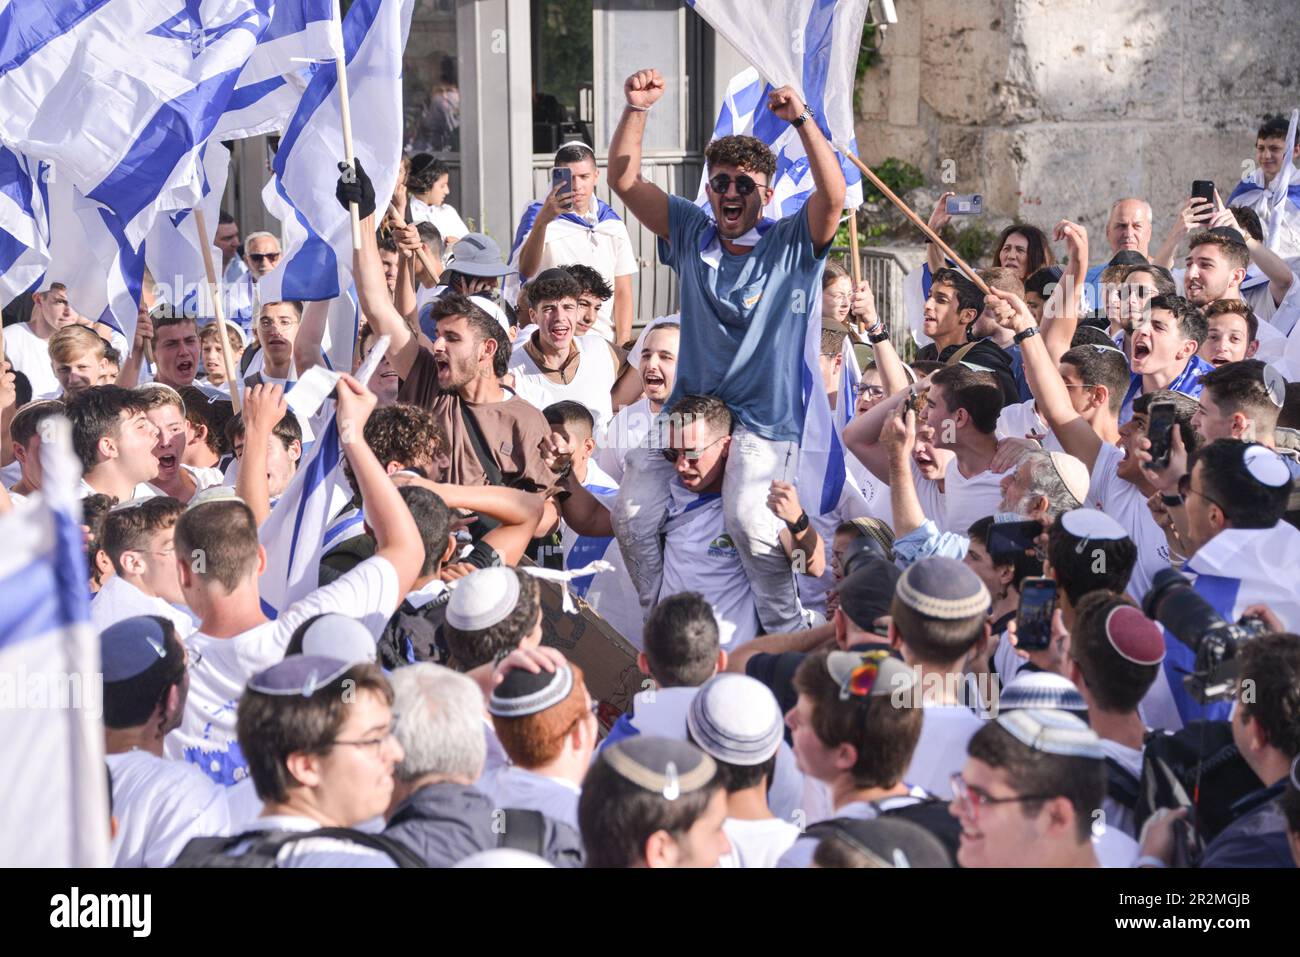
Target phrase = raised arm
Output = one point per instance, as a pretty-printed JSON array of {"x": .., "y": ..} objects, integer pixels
[
  {"x": 804, "y": 548},
  {"x": 264, "y": 407},
  {"x": 516, "y": 510},
  {"x": 128, "y": 375},
  {"x": 1061, "y": 315},
  {"x": 893, "y": 375},
  {"x": 647, "y": 201},
  {"x": 397, "y": 537},
  {"x": 1191, "y": 216},
  {"x": 1271, "y": 265},
  {"x": 862, "y": 434},
  {"x": 938, "y": 219},
  {"x": 311, "y": 334},
  {"x": 583, "y": 511},
  {"x": 1051, "y": 397},
  {"x": 368, "y": 274},
  {"x": 826, "y": 204},
  {"x": 900, "y": 440}
]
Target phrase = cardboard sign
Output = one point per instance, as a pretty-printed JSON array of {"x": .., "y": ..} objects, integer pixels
[{"x": 607, "y": 660}]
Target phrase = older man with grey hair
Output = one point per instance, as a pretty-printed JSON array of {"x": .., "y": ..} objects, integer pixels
[
  {"x": 262, "y": 253},
  {"x": 437, "y": 811}
]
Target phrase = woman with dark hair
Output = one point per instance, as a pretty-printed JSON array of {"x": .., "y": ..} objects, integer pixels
[
  {"x": 428, "y": 181},
  {"x": 1024, "y": 249}
]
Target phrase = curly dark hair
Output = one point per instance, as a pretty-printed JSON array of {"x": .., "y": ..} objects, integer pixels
[{"x": 745, "y": 152}]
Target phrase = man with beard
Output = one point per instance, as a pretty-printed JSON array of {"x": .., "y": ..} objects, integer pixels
[
  {"x": 746, "y": 286},
  {"x": 494, "y": 436}
]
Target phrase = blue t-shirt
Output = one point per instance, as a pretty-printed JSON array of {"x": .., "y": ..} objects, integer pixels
[{"x": 744, "y": 321}]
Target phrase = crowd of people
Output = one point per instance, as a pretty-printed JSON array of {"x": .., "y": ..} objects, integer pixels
[{"x": 990, "y": 647}]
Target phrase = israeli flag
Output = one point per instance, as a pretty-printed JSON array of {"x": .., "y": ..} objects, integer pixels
[
  {"x": 1271, "y": 201},
  {"x": 317, "y": 263},
  {"x": 172, "y": 250},
  {"x": 823, "y": 469},
  {"x": 294, "y": 533},
  {"x": 120, "y": 95},
  {"x": 51, "y": 682},
  {"x": 24, "y": 224},
  {"x": 810, "y": 45},
  {"x": 91, "y": 254},
  {"x": 1237, "y": 568}
]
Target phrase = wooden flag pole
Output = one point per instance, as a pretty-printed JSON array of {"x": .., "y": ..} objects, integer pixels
[
  {"x": 855, "y": 259},
  {"x": 918, "y": 222},
  {"x": 218, "y": 310},
  {"x": 423, "y": 254},
  {"x": 345, "y": 116}
]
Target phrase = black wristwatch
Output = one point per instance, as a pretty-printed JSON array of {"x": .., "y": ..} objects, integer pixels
[
  {"x": 803, "y": 117},
  {"x": 879, "y": 337},
  {"x": 799, "y": 525},
  {"x": 1025, "y": 334},
  {"x": 1171, "y": 501}
]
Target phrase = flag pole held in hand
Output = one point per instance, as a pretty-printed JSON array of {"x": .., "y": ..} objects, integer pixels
[
  {"x": 422, "y": 254},
  {"x": 218, "y": 310},
  {"x": 917, "y": 221},
  {"x": 345, "y": 116}
]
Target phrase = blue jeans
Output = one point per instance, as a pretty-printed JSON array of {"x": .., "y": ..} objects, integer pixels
[{"x": 753, "y": 463}]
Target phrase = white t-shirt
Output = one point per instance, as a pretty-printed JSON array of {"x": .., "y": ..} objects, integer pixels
[
  {"x": 206, "y": 737},
  {"x": 203, "y": 478},
  {"x": 757, "y": 843},
  {"x": 1122, "y": 501},
  {"x": 160, "y": 805},
  {"x": 1118, "y": 817},
  {"x": 143, "y": 490},
  {"x": 967, "y": 500},
  {"x": 30, "y": 354},
  {"x": 941, "y": 750},
  {"x": 316, "y": 851},
  {"x": 589, "y": 386},
  {"x": 627, "y": 430},
  {"x": 606, "y": 249},
  {"x": 444, "y": 218},
  {"x": 1018, "y": 421},
  {"x": 11, "y": 474},
  {"x": 700, "y": 556},
  {"x": 513, "y": 787},
  {"x": 802, "y": 851},
  {"x": 117, "y": 600}
]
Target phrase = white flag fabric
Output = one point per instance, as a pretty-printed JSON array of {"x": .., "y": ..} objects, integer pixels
[
  {"x": 53, "y": 779},
  {"x": 1237, "y": 568},
  {"x": 317, "y": 263},
  {"x": 294, "y": 532},
  {"x": 24, "y": 224},
  {"x": 1271, "y": 201},
  {"x": 811, "y": 45},
  {"x": 120, "y": 95}
]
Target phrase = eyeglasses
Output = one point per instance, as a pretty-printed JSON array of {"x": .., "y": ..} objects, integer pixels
[
  {"x": 969, "y": 800},
  {"x": 268, "y": 324},
  {"x": 870, "y": 391},
  {"x": 1185, "y": 489},
  {"x": 744, "y": 185},
  {"x": 672, "y": 455},
  {"x": 261, "y": 257},
  {"x": 372, "y": 744}
]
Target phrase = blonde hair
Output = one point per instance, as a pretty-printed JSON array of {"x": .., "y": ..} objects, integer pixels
[{"x": 73, "y": 342}]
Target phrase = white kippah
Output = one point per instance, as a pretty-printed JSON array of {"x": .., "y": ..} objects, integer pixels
[
  {"x": 1052, "y": 732},
  {"x": 1090, "y": 523},
  {"x": 1266, "y": 466},
  {"x": 483, "y": 598},
  {"x": 1275, "y": 383},
  {"x": 1073, "y": 473},
  {"x": 340, "y": 637}
]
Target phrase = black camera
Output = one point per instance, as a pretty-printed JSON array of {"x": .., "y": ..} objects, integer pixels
[
  {"x": 1193, "y": 621},
  {"x": 858, "y": 552}
]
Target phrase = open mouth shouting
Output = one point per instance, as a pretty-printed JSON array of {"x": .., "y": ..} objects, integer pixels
[
  {"x": 732, "y": 211},
  {"x": 185, "y": 367},
  {"x": 654, "y": 382},
  {"x": 167, "y": 464}
]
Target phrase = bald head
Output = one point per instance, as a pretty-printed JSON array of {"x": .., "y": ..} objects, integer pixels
[{"x": 1129, "y": 226}]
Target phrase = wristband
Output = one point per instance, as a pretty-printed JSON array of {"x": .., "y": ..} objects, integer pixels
[
  {"x": 639, "y": 109},
  {"x": 876, "y": 338},
  {"x": 1171, "y": 501},
  {"x": 1025, "y": 334},
  {"x": 799, "y": 525},
  {"x": 1148, "y": 860}
]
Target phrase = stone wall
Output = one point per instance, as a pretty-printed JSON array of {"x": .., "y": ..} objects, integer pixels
[{"x": 1054, "y": 108}]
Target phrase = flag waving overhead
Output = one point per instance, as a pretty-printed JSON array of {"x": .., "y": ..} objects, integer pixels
[
  {"x": 52, "y": 772},
  {"x": 24, "y": 224},
  {"x": 317, "y": 262},
  {"x": 811, "y": 45},
  {"x": 120, "y": 94}
]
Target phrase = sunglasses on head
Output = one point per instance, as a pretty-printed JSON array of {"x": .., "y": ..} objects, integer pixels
[{"x": 744, "y": 185}]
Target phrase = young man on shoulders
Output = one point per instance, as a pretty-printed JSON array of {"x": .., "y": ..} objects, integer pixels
[{"x": 739, "y": 274}]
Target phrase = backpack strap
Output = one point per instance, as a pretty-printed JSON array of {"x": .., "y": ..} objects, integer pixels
[
  {"x": 524, "y": 831},
  {"x": 266, "y": 847},
  {"x": 1122, "y": 786},
  {"x": 478, "y": 443}
]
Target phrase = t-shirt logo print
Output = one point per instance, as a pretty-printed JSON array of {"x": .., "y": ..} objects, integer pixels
[{"x": 722, "y": 547}]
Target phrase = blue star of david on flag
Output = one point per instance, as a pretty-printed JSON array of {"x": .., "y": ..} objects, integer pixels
[{"x": 187, "y": 26}]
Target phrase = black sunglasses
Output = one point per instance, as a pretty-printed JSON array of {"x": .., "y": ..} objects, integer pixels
[
  {"x": 672, "y": 455},
  {"x": 744, "y": 185},
  {"x": 258, "y": 257}
]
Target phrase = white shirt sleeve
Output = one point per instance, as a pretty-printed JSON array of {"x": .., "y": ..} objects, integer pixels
[
  {"x": 624, "y": 262},
  {"x": 368, "y": 593}
]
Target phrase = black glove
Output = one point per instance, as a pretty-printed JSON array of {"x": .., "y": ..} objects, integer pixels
[{"x": 355, "y": 188}]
